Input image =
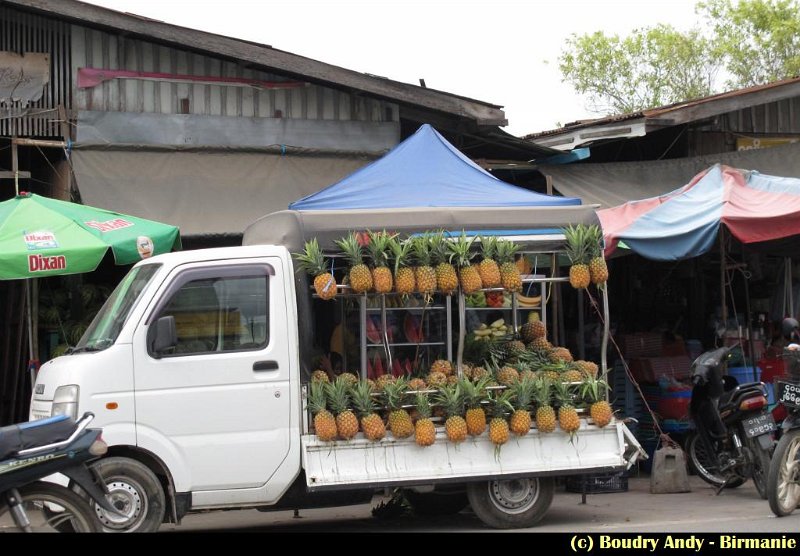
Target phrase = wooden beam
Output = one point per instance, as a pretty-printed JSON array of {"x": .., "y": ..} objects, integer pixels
[{"x": 9, "y": 175}]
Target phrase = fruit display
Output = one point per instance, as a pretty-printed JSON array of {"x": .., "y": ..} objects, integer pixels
[
  {"x": 497, "y": 329},
  {"x": 312, "y": 261},
  {"x": 598, "y": 270},
  {"x": 359, "y": 274},
  {"x": 378, "y": 247},
  {"x": 488, "y": 268}
]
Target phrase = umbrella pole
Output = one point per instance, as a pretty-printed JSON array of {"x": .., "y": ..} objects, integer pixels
[
  {"x": 29, "y": 311},
  {"x": 724, "y": 307},
  {"x": 750, "y": 342}
]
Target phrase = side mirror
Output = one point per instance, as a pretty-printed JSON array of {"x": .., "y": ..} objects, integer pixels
[{"x": 162, "y": 335}]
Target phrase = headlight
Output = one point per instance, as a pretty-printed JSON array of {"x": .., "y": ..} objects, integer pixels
[{"x": 65, "y": 401}]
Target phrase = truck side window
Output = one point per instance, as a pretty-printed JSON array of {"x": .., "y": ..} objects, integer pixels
[{"x": 214, "y": 315}]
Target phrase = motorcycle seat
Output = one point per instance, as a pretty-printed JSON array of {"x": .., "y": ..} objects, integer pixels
[
  {"x": 22, "y": 436},
  {"x": 737, "y": 392}
]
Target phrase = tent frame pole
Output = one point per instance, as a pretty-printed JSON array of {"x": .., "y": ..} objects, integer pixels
[{"x": 724, "y": 302}]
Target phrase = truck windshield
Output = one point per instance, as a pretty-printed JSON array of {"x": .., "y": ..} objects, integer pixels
[{"x": 108, "y": 322}]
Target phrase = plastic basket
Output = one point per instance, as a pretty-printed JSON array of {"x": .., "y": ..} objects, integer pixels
[{"x": 598, "y": 483}]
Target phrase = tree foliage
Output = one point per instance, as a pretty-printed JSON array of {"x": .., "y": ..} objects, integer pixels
[{"x": 749, "y": 42}]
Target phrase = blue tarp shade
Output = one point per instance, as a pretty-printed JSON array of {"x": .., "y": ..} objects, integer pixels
[{"x": 424, "y": 171}]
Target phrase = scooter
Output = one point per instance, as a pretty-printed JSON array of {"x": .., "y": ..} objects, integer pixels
[
  {"x": 734, "y": 432},
  {"x": 783, "y": 483},
  {"x": 31, "y": 451}
]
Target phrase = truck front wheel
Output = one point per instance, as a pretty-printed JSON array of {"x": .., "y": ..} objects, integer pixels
[
  {"x": 135, "y": 491},
  {"x": 511, "y": 504}
]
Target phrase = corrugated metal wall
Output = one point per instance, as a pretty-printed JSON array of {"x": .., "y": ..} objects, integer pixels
[
  {"x": 21, "y": 32},
  {"x": 100, "y": 50},
  {"x": 774, "y": 118}
]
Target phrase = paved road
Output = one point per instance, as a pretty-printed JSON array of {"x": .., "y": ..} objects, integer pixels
[{"x": 734, "y": 511}]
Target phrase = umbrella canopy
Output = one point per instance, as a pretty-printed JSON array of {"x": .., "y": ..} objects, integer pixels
[
  {"x": 42, "y": 237},
  {"x": 759, "y": 210}
]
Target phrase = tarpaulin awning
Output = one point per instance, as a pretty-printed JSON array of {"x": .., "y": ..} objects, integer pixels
[
  {"x": 757, "y": 209},
  {"x": 425, "y": 170},
  {"x": 203, "y": 192},
  {"x": 611, "y": 184}
]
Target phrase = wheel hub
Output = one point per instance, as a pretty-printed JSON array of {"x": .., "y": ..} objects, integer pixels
[
  {"x": 125, "y": 498},
  {"x": 514, "y": 496}
]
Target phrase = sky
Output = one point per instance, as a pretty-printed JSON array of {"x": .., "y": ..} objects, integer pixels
[{"x": 504, "y": 52}]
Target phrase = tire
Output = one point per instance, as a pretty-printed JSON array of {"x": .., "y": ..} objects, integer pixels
[
  {"x": 135, "y": 491},
  {"x": 702, "y": 466},
  {"x": 52, "y": 508},
  {"x": 436, "y": 503},
  {"x": 760, "y": 467},
  {"x": 511, "y": 504},
  {"x": 783, "y": 490}
]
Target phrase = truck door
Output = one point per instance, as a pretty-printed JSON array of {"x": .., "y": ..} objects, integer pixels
[{"x": 218, "y": 401}]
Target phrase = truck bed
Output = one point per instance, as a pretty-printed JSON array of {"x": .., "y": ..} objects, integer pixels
[{"x": 393, "y": 462}]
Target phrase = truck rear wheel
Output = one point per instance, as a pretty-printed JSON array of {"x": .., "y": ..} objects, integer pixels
[
  {"x": 135, "y": 492},
  {"x": 436, "y": 503},
  {"x": 513, "y": 503}
]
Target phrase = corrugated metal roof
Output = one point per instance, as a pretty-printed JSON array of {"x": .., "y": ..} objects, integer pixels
[
  {"x": 482, "y": 112},
  {"x": 682, "y": 111}
]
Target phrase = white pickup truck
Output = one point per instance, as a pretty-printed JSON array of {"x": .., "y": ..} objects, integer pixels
[{"x": 217, "y": 418}]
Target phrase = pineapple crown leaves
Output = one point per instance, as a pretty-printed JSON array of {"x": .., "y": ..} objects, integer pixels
[
  {"x": 311, "y": 258},
  {"x": 351, "y": 248},
  {"x": 595, "y": 241},
  {"x": 459, "y": 249},
  {"x": 563, "y": 394},
  {"x": 317, "y": 397},
  {"x": 593, "y": 390},
  {"x": 439, "y": 247},
  {"x": 423, "y": 405},
  {"x": 421, "y": 249},
  {"x": 523, "y": 392},
  {"x": 474, "y": 392},
  {"x": 362, "y": 399},
  {"x": 579, "y": 242},
  {"x": 451, "y": 398},
  {"x": 488, "y": 246},
  {"x": 401, "y": 252},
  {"x": 542, "y": 392},
  {"x": 379, "y": 247},
  {"x": 339, "y": 396},
  {"x": 500, "y": 403},
  {"x": 395, "y": 393}
]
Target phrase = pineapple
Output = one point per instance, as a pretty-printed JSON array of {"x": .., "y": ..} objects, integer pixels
[
  {"x": 348, "y": 378},
  {"x": 545, "y": 414},
  {"x": 452, "y": 379},
  {"x": 404, "y": 280},
  {"x": 371, "y": 422},
  {"x": 424, "y": 273},
  {"x": 424, "y": 430},
  {"x": 436, "y": 379},
  {"x": 533, "y": 330},
  {"x": 474, "y": 395},
  {"x": 488, "y": 268},
  {"x": 514, "y": 349},
  {"x": 446, "y": 277},
  {"x": 567, "y": 414},
  {"x": 383, "y": 380},
  {"x": 560, "y": 354},
  {"x": 500, "y": 403},
  {"x": 451, "y": 399},
  {"x": 572, "y": 375},
  {"x": 460, "y": 255},
  {"x": 598, "y": 270},
  {"x": 579, "y": 276},
  {"x": 378, "y": 247},
  {"x": 324, "y": 421},
  {"x": 523, "y": 399},
  {"x": 442, "y": 366},
  {"x": 479, "y": 373},
  {"x": 319, "y": 376},
  {"x": 359, "y": 275},
  {"x": 588, "y": 368},
  {"x": 417, "y": 384},
  {"x": 312, "y": 261},
  {"x": 509, "y": 272},
  {"x": 507, "y": 376},
  {"x": 346, "y": 421},
  {"x": 399, "y": 420},
  {"x": 593, "y": 392},
  {"x": 527, "y": 374}
]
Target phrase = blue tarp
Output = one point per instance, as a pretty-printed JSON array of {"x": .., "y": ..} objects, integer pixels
[{"x": 424, "y": 171}]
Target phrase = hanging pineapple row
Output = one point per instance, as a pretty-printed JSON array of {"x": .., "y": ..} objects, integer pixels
[{"x": 423, "y": 264}]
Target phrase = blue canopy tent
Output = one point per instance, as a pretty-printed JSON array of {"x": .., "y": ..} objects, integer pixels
[{"x": 424, "y": 171}]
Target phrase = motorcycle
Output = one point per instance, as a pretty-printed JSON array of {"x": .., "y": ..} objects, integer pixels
[
  {"x": 32, "y": 451},
  {"x": 783, "y": 486},
  {"x": 734, "y": 432}
]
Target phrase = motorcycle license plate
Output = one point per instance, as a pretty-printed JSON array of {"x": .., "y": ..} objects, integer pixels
[
  {"x": 758, "y": 425},
  {"x": 788, "y": 393}
]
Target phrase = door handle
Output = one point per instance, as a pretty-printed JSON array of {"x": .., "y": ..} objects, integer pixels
[{"x": 265, "y": 366}]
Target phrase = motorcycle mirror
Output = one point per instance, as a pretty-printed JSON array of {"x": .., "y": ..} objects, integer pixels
[{"x": 789, "y": 327}]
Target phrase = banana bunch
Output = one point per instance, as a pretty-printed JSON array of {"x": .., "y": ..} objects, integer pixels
[
  {"x": 498, "y": 329},
  {"x": 529, "y": 302}
]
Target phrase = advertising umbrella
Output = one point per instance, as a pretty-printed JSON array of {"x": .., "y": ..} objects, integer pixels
[{"x": 41, "y": 237}]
